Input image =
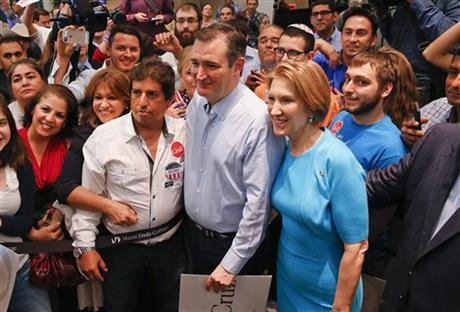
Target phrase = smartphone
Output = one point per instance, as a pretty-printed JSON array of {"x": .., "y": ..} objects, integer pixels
[
  {"x": 75, "y": 36},
  {"x": 417, "y": 117}
]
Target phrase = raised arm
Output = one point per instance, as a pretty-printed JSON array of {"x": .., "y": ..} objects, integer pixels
[{"x": 437, "y": 53}]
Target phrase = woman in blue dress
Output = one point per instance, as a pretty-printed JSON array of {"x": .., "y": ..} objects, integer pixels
[{"x": 320, "y": 193}]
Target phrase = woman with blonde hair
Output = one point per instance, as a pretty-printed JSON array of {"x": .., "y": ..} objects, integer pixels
[{"x": 320, "y": 193}]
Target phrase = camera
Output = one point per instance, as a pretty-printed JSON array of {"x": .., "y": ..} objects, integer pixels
[{"x": 91, "y": 14}]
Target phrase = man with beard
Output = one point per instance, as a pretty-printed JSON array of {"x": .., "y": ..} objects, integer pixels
[
  {"x": 188, "y": 19},
  {"x": 363, "y": 126}
]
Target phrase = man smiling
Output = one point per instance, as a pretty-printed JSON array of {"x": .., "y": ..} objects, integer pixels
[
  {"x": 232, "y": 158},
  {"x": 363, "y": 126}
]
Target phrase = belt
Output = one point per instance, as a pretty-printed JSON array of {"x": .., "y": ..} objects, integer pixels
[{"x": 213, "y": 234}]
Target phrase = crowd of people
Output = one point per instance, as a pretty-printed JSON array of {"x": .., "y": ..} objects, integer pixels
[{"x": 315, "y": 153}]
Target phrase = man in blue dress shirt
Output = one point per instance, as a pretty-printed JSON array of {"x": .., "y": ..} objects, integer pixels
[{"x": 231, "y": 161}]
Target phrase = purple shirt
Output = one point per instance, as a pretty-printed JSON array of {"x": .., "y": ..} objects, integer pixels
[{"x": 163, "y": 7}]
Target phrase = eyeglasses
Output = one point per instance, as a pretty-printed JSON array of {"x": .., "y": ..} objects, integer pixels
[
  {"x": 322, "y": 13},
  {"x": 291, "y": 54},
  {"x": 189, "y": 20}
]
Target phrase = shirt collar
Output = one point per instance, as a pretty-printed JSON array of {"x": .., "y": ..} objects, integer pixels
[
  {"x": 129, "y": 130},
  {"x": 223, "y": 107},
  {"x": 452, "y": 118}
]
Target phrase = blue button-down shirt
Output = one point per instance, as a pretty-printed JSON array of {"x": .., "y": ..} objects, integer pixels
[
  {"x": 335, "y": 39},
  {"x": 232, "y": 158}
]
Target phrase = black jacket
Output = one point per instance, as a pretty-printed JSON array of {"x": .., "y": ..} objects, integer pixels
[{"x": 427, "y": 271}]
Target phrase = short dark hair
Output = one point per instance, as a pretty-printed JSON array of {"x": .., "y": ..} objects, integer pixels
[
  {"x": 187, "y": 6},
  {"x": 13, "y": 153},
  {"x": 127, "y": 30},
  {"x": 455, "y": 50},
  {"x": 240, "y": 23},
  {"x": 360, "y": 11},
  {"x": 17, "y": 39},
  {"x": 40, "y": 12},
  {"x": 330, "y": 3},
  {"x": 295, "y": 32},
  {"x": 158, "y": 71},
  {"x": 230, "y": 7},
  {"x": 235, "y": 42},
  {"x": 32, "y": 64},
  {"x": 63, "y": 93}
]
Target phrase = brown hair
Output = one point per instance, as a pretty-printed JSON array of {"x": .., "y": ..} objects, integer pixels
[
  {"x": 235, "y": 42},
  {"x": 13, "y": 153},
  {"x": 384, "y": 68},
  {"x": 158, "y": 71},
  {"x": 119, "y": 85},
  {"x": 310, "y": 85},
  {"x": 63, "y": 93},
  {"x": 401, "y": 103},
  {"x": 32, "y": 64}
]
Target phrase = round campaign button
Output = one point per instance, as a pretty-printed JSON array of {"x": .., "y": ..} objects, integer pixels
[{"x": 177, "y": 149}]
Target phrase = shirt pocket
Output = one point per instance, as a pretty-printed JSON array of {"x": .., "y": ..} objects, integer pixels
[{"x": 129, "y": 180}]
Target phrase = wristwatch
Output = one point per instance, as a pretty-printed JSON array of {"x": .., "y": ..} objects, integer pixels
[{"x": 79, "y": 251}]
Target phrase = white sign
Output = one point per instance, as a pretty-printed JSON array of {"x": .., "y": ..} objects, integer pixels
[
  {"x": 24, "y": 3},
  {"x": 247, "y": 294}
]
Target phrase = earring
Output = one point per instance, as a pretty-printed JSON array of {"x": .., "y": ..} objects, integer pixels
[{"x": 311, "y": 119}]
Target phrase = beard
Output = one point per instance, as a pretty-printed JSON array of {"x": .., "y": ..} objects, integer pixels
[
  {"x": 187, "y": 40},
  {"x": 365, "y": 107}
]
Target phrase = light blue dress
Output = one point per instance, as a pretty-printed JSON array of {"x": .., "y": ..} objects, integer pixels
[{"x": 321, "y": 196}]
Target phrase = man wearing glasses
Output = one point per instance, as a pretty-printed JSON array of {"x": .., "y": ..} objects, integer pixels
[
  {"x": 188, "y": 19},
  {"x": 296, "y": 43},
  {"x": 323, "y": 18}
]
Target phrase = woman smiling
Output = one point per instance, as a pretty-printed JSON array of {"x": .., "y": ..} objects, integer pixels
[{"x": 320, "y": 193}]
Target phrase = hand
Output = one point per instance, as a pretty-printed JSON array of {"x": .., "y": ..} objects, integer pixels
[
  {"x": 328, "y": 50},
  {"x": 64, "y": 50},
  {"x": 90, "y": 262},
  {"x": 161, "y": 19},
  {"x": 409, "y": 131},
  {"x": 120, "y": 213},
  {"x": 337, "y": 308},
  {"x": 177, "y": 110},
  {"x": 46, "y": 231},
  {"x": 219, "y": 279},
  {"x": 255, "y": 78},
  {"x": 166, "y": 41},
  {"x": 141, "y": 17}
]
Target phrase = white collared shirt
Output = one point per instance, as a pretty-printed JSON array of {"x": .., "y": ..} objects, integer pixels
[{"x": 118, "y": 166}]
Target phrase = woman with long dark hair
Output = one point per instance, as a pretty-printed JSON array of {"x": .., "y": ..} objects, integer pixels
[{"x": 17, "y": 193}]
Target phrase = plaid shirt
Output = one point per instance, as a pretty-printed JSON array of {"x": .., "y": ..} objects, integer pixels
[{"x": 438, "y": 111}]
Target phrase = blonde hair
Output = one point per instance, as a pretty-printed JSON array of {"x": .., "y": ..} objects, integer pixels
[
  {"x": 185, "y": 59},
  {"x": 310, "y": 85}
]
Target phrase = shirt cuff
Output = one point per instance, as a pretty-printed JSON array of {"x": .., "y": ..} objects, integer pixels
[
  {"x": 232, "y": 262},
  {"x": 84, "y": 239}
]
